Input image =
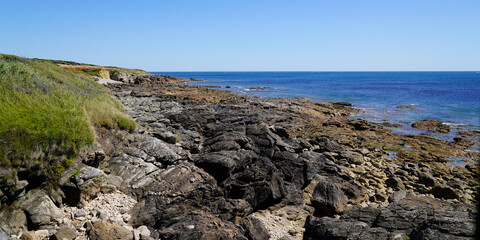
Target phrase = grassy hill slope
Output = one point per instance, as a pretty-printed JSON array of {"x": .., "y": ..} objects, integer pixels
[
  {"x": 89, "y": 70},
  {"x": 48, "y": 115}
]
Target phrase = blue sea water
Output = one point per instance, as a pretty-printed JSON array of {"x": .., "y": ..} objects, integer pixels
[{"x": 450, "y": 97}]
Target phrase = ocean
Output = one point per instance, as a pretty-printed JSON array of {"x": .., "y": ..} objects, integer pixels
[{"x": 450, "y": 97}]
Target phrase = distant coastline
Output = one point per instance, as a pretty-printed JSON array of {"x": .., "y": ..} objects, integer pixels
[{"x": 448, "y": 96}]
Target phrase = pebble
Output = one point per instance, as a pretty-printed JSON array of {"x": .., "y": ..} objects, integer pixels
[{"x": 114, "y": 206}]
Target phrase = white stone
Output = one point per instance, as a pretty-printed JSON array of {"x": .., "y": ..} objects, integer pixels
[{"x": 42, "y": 234}]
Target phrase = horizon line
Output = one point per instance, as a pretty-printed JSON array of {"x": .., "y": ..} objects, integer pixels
[{"x": 478, "y": 71}]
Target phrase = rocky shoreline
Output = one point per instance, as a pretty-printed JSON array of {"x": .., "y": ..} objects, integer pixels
[{"x": 208, "y": 164}]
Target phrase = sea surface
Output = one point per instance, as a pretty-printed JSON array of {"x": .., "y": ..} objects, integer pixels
[{"x": 450, "y": 97}]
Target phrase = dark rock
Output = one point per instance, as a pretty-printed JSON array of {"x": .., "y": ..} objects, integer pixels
[
  {"x": 354, "y": 192},
  {"x": 218, "y": 164},
  {"x": 395, "y": 183},
  {"x": 411, "y": 217},
  {"x": 331, "y": 228},
  {"x": 254, "y": 229},
  {"x": 328, "y": 199},
  {"x": 444, "y": 192},
  {"x": 359, "y": 124},
  {"x": 157, "y": 149},
  {"x": 432, "y": 126},
  {"x": 184, "y": 188},
  {"x": 326, "y": 144},
  {"x": 200, "y": 227},
  {"x": 427, "y": 179}
]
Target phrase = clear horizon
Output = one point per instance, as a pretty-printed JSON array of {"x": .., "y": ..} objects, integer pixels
[{"x": 209, "y": 36}]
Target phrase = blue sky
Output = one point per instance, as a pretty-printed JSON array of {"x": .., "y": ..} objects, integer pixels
[{"x": 245, "y": 35}]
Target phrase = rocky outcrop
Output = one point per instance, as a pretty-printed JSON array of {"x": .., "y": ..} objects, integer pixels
[
  {"x": 412, "y": 217},
  {"x": 432, "y": 126},
  {"x": 143, "y": 78},
  {"x": 241, "y": 157}
]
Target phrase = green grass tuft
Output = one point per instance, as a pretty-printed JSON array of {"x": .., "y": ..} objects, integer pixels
[{"x": 47, "y": 111}]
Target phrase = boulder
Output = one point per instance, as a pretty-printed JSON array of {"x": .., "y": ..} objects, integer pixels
[
  {"x": 395, "y": 182},
  {"x": 30, "y": 235},
  {"x": 200, "y": 226},
  {"x": 13, "y": 220},
  {"x": 432, "y": 126},
  {"x": 40, "y": 208},
  {"x": 253, "y": 229},
  {"x": 426, "y": 179},
  {"x": 122, "y": 77},
  {"x": 352, "y": 157},
  {"x": 102, "y": 230},
  {"x": 326, "y": 145},
  {"x": 158, "y": 149},
  {"x": 82, "y": 185},
  {"x": 65, "y": 233},
  {"x": 328, "y": 199}
]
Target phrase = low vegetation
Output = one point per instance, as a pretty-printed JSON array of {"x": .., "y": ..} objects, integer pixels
[
  {"x": 48, "y": 114},
  {"x": 89, "y": 70}
]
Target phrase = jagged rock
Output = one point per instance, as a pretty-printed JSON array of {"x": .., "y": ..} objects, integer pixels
[
  {"x": 87, "y": 183},
  {"x": 396, "y": 183},
  {"x": 218, "y": 164},
  {"x": 328, "y": 199},
  {"x": 13, "y": 220},
  {"x": 176, "y": 190},
  {"x": 326, "y": 144},
  {"x": 254, "y": 229},
  {"x": 193, "y": 227},
  {"x": 40, "y": 208},
  {"x": 157, "y": 149},
  {"x": 102, "y": 230},
  {"x": 432, "y": 126},
  {"x": 411, "y": 217}
]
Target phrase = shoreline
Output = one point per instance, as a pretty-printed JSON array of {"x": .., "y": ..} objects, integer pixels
[
  {"x": 426, "y": 107},
  {"x": 365, "y": 112},
  {"x": 378, "y": 162}
]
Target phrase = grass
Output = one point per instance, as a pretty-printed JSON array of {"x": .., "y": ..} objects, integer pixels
[
  {"x": 90, "y": 70},
  {"x": 48, "y": 114}
]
